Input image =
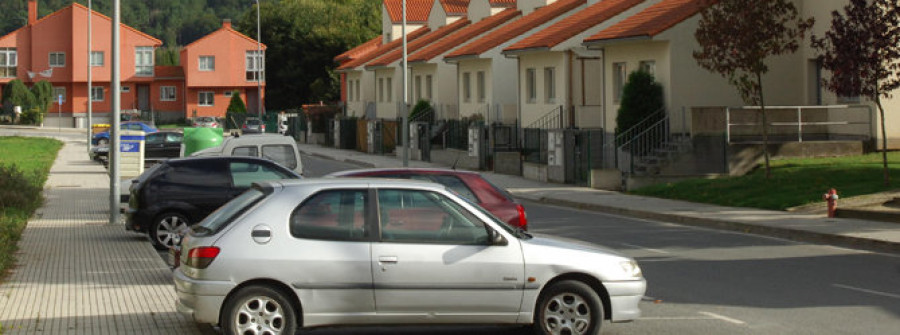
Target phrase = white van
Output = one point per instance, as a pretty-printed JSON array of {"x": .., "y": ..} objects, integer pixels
[{"x": 279, "y": 148}]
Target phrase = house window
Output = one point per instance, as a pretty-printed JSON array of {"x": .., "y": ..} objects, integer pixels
[
  {"x": 618, "y": 80},
  {"x": 390, "y": 92},
  {"x": 349, "y": 90},
  {"x": 228, "y": 94},
  {"x": 479, "y": 86},
  {"x": 206, "y": 98},
  {"x": 167, "y": 93},
  {"x": 648, "y": 66},
  {"x": 531, "y": 85},
  {"x": 96, "y": 93},
  {"x": 550, "y": 85},
  {"x": 467, "y": 87},
  {"x": 57, "y": 59},
  {"x": 8, "y": 62},
  {"x": 126, "y": 89},
  {"x": 96, "y": 58},
  {"x": 380, "y": 89},
  {"x": 255, "y": 65},
  {"x": 428, "y": 87},
  {"x": 207, "y": 63},
  {"x": 418, "y": 94},
  {"x": 357, "y": 90},
  {"x": 59, "y": 91},
  {"x": 143, "y": 61}
]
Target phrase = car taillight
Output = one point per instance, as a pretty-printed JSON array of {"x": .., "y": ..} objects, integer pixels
[
  {"x": 201, "y": 257},
  {"x": 523, "y": 221}
]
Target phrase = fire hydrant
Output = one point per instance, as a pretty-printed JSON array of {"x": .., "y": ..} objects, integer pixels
[{"x": 831, "y": 198}]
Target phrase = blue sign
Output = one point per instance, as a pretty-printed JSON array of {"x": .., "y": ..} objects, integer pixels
[
  {"x": 129, "y": 147},
  {"x": 60, "y": 99}
]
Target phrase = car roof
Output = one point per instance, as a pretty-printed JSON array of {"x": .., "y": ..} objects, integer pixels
[
  {"x": 354, "y": 182},
  {"x": 401, "y": 170},
  {"x": 182, "y": 160},
  {"x": 259, "y": 139}
]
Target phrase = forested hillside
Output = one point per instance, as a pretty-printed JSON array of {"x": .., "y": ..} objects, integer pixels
[{"x": 303, "y": 36}]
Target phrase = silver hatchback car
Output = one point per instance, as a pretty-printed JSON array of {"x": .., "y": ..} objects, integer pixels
[{"x": 324, "y": 252}]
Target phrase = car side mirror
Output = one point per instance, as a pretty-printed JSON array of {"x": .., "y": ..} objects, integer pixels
[{"x": 497, "y": 239}]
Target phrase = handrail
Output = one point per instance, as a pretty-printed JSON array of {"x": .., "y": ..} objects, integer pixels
[
  {"x": 631, "y": 132},
  {"x": 551, "y": 120},
  {"x": 649, "y": 139}
]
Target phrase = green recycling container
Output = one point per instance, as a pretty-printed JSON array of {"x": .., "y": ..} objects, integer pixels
[{"x": 196, "y": 139}]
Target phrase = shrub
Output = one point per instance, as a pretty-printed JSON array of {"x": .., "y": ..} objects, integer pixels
[
  {"x": 236, "y": 105},
  {"x": 32, "y": 116},
  {"x": 16, "y": 94},
  {"x": 641, "y": 97},
  {"x": 420, "y": 110},
  {"x": 16, "y": 190}
]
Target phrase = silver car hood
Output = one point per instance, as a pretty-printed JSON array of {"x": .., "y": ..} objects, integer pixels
[{"x": 542, "y": 240}]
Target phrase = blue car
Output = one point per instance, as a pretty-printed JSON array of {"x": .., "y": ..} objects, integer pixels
[{"x": 102, "y": 138}]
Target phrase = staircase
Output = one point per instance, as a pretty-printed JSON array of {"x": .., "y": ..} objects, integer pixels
[{"x": 646, "y": 148}]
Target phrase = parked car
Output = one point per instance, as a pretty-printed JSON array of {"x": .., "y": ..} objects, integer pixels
[
  {"x": 179, "y": 192},
  {"x": 157, "y": 146},
  {"x": 281, "y": 149},
  {"x": 362, "y": 251},
  {"x": 253, "y": 125},
  {"x": 205, "y": 121},
  {"x": 102, "y": 138},
  {"x": 468, "y": 184}
]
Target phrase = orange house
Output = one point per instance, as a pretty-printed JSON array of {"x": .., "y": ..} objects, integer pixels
[
  {"x": 54, "y": 48},
  {"x": 220, "y": 64}
]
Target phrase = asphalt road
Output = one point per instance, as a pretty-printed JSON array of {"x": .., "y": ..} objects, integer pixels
[{"x": 704, "y": 281}]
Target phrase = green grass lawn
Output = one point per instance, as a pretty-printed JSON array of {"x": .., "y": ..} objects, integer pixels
[
  {"x": 24, "y": 165},
  {"x": 794, "y": 182}
]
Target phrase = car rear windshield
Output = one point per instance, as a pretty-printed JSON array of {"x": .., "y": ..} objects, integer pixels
[{"x": 228, "y": 212}]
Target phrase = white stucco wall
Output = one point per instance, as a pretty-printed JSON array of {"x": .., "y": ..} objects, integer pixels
[
  {"x": 528, "y": 6},
  {"x": 388, "y": 108},
  {"x": 536, "y": 109},
  {"x": 478, "y": 10},
  {"x": 357, "y": 106}
]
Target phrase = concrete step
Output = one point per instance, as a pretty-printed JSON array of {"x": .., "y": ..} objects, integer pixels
[{"x": 882, "y": 213}]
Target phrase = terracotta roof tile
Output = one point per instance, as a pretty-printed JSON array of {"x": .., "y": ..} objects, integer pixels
[
  {"x": 463, "y": 35},
  {"x": 416, "y": 10},
  {"x": 168, "y": 72},
  {"x": 360, "y": 49},
  {"x": 419, "y": 43},
  {"x": 503, "y": 3},
  {"x": 455, "y": 7},
  {"x": 384, "y": 48},
  {"x": 651, "y": 21},
  {"x": 574, "y": 24},
  {"x": 516, "y": 28}
]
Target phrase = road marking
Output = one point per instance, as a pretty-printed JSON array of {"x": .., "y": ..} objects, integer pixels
[
  {"x": 645, "y": 248},
  {"x": 723, "y": 318},
  {"x": 883, "y": 294}
]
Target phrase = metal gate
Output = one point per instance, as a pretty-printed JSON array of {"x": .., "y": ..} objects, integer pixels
[
  {"x": 583, "y": 153},
  {"x": 423, "y": 130}
]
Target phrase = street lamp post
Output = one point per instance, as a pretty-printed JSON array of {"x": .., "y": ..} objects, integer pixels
[
  {"x": 405, "y": 131},
  {"x": 115, "y": 99},
  {"x": 259, "y": 64},
  {"x": 89, "y": 79}
]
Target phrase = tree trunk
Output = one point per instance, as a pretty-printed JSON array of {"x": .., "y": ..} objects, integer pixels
[
  {"x": 884, "y": 150},
  {"x": 765, "y": 128}
]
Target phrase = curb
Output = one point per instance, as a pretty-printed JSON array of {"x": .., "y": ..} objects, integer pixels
[
  {"x": 785, "y": 233},
  {"x": 346, "y": 160}
]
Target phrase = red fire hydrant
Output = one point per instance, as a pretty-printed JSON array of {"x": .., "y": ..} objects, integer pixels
[{"x": 831, "y": 198}]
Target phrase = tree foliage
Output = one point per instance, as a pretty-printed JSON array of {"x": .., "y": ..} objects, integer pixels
[
  {"x": 737, "y": 36},
  {"x": 15, "y": 93},
  {"x": 236, "y": 105},
  {"x": 642, "y": 96},
  {"x": 43, "y": 95},
  {"x": 862, "y": 51}
]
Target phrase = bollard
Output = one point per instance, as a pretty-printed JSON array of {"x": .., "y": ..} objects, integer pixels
[{"x": 831, "y": 199}]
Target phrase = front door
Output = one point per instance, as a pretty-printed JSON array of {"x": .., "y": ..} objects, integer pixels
[
  {"x": 143, "y": 96},
  {"x": 434, "y": 264}
]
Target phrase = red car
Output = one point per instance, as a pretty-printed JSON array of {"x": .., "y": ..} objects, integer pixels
[{"x": 466, "y": 183}]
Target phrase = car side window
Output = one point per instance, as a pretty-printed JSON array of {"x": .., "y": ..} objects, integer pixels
[
  {"x": 208, "y": 174},
  {"x": 416, "y": 216},
  {"x": 337, "y": 215},
  {"x": 174, "y": 138},
  {"x": 154, "y": 138},
  {"x": 245, "y": 151},
  {"x": 245, "y": 173},
  {"x": 452, "y": 182},
  {"x": 281, "y": 153}
]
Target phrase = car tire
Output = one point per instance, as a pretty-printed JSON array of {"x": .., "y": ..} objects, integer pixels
[
  {"x": 165, "y": 227},
  {"x": 103, "y": 141},
  {"x": 261, "y": 308},
  {"x": 568, "y": 307}
]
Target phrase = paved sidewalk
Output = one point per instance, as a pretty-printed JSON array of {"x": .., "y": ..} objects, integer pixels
[
  {"x": 77, "y": 274},
  {"x": 813, "y": 228}
]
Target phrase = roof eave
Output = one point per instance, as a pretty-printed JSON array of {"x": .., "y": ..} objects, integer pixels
[
  {"x": 457, "y": 59},
  {"x": 608, "y": 41},
  {"x": 518, "y": 52}
]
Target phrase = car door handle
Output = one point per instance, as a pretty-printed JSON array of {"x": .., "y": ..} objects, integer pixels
[{"x": 388, "y": 259}]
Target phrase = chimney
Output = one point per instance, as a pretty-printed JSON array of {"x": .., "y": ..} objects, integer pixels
[
  {"x": 32, "y": 12},
  {"x": 226, "y": 23}
]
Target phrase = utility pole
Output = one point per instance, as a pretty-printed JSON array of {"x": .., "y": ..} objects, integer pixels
[
  {"x": 90, "y": 103},
  {"x": 259, "y": 64},
  {"x": 405, "y": 131},
  {"x": 116, "y": 84}
]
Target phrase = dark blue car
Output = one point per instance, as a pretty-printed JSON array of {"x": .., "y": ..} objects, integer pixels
[{"x": 102, "y": 138}]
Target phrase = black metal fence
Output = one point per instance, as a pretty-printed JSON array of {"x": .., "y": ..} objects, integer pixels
[
  {"x": 534, "y": 145},
  {"x": 457, "y": 134}
]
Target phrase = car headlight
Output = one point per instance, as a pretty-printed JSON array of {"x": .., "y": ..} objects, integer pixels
[{"x": 631, "y": 268}]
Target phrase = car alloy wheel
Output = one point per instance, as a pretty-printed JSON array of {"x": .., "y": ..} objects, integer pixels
[
  {"x": 569, "y": 308},
  {"x": 259, "y": 310},
  {"x": 165, "y": 230}
]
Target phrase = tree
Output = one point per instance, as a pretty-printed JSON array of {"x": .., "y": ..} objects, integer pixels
[
  {"x": 236, "y": 105},
  {"x": 641, "y": 97},
  {"x": 737, "y": 36},
  {"x": 16, "y": 94},
  {"x": 43, "y": 95},
  {"x": 862, "y": 51}
]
